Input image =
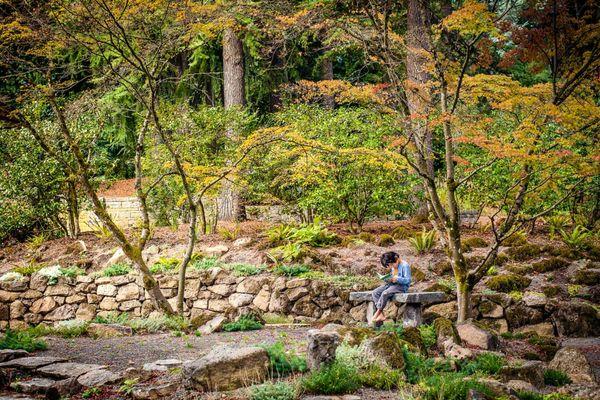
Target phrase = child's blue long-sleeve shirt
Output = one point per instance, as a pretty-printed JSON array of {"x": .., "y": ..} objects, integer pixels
[{"x": 403, "y": 277}]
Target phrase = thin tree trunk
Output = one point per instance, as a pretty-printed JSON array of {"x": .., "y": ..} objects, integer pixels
[
  {"x": 327, "y": 75},
  {"x": 132, "y": 252},
  {"x": 230, "y": 204}
]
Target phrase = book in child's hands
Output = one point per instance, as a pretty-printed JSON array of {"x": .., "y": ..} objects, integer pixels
[{"x": 385, "y": 277}]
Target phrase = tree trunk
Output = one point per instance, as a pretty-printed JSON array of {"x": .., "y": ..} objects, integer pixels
[
  {"x": 230, "y": 204},
  {"x": 327, "y": 75},
  {"x": 73, "y": 211}
]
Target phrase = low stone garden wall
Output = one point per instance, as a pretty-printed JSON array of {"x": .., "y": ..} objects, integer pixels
[
  {"x": 36, "y": 299},
  {"x": 39, "y": 298}
]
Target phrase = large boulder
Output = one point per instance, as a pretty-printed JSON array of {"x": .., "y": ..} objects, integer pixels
[
  {"x": 474, "y": 335},
  {"x": 528, "y": 371},
  {"x": 386, "y": 347},
  {"x": 577, "y": 318},
  {"x": 213, "y": 325},
  {"x": 108, "y": 330},
  {"x": 519, "y": 315},
  {"x": 322, "y": 345},
  {"x": 227, "y": 368},
  {"x": 575, "y": 363}
]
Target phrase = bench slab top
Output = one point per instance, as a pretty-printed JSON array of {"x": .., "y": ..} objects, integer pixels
[{"x": 414, "y": 297}]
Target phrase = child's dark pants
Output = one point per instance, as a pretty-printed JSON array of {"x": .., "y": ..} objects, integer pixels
[{"x": 384, "y": 293}]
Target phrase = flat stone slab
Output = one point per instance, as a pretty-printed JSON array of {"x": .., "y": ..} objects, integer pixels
[
  {"x": 98, "y": 377},
  {"x": 34, "y": 385},
  {"x": 415, "y": 297},
  {"x": 31, "y": 362},
  {"x": 67, "y": 369},
  {"x": 7, "y": 354},
  {"x": 163, "y": 365}
]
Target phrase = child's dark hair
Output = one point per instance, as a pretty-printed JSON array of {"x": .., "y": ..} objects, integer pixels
[{"x": 389, "y": 258}]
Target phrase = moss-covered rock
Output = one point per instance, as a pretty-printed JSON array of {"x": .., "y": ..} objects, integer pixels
[
  {"x": 439, "y": 287},
  {"x": 519, "y": 269},
  {"x": 524, "y": 252},
  {"x": 444, "y": 329},
  {"x": 519, "y": 315},
  {"x": 551, "y": 290},
  {"x": 559, "y": 251},
  {"x": 442, "y": 267},
  {"x": 517, "y": 239},
  {"x": 387, "y": 347},
  {"x": 501, "y": 259},
  {"x": 549, "y": 264},
  {"x": 366, "y": 237},
  {"x": 413, "y": 336},
  {"x": 355, "y": 335},
  {"x": 475, "y": 242},
  {"x": 385, "y": 240},
  {"x": 417, "y": 274},
  {"x": 586, "y": 277},
  {"x": 577, "y": 318},
  {"x": 402, "y": 233},
  {"x": 508, "y": 282}
]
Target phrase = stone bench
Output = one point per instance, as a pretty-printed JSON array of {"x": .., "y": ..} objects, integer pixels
[{"x": 414, "y": 304}]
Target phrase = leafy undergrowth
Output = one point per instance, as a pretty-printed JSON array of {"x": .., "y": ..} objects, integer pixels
[
  {"x": 22, "y": 340},
  {"x": 243, "y": 323}
]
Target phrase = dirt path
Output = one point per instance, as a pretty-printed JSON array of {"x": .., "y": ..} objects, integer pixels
[{"x": 123, "y": 352}]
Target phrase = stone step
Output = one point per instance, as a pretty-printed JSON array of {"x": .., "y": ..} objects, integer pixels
[
  {"x": 67, "y": 370},
  {"x": 7, "y": 354},
  {"x": 31, "y": 362}
]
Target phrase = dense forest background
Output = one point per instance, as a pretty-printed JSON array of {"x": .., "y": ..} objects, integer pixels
[{"x": 341, "y": 110}]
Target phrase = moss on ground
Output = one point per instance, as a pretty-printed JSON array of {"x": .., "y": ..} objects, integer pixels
[
  {"x": 508, "y": 282},
  {"x": 475, "y": 242},
  {"x": 385, "y": 240},
  {"x": 588, "y": 277},
  {"x": 524, "y": 252},
  {"x": 549, "y": 264}
]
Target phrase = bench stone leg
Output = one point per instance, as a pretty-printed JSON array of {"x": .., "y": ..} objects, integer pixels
[
  {"x": 412, "y": 315},
  {"x": 370, "y": 312}
]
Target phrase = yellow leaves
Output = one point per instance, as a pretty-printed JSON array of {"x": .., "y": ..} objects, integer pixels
[{"x": 471, "y": 20}]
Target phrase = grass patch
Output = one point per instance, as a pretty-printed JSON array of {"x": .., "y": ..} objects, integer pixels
[
  {"x": 381, "y": 378},
  {"x": 116, "y": 270},
  {"x": 273, "y": 391},
  {"x": 149, "y": 325},
  {"x": 72, "y": 272},
  {"x": 342, "y": 281},
  {"x": 486, "y": 363},
  {"x": 553, "y": 377},
  {"x": 524, "y": 395},
  {"x": 272, "y": 318},
  {"x": 336, "y": 378},
  {"x": 243, "y": 323},
  {"x": 204, "y": 263},
  {"x": 452, "y": 386},
  {"x": 22, "y": 340},
  {"x": 282, "y": 362},
  {"x": 292, "y": 270},
  {"x": 245, "y": 269}
]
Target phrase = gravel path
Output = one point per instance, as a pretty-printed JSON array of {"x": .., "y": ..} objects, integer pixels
[{"x": 123, "y": 352}]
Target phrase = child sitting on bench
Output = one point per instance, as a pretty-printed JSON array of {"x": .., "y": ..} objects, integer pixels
[{"x": 397, "y": 282}]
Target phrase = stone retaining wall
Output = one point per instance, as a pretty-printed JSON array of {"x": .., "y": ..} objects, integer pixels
[{"x": 37, "y": 299}]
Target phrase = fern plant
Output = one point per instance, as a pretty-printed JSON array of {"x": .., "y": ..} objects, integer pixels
[
  {"x": 423, "y": 242},
  {"x": 576, "y": 239},
  {"x": 35, "y": 242},
  {"x": 557, "y": 223},
  {"x": 230, "y": 234}
]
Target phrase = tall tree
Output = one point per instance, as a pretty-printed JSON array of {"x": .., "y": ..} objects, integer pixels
[{"x": 231, "y": 206}]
